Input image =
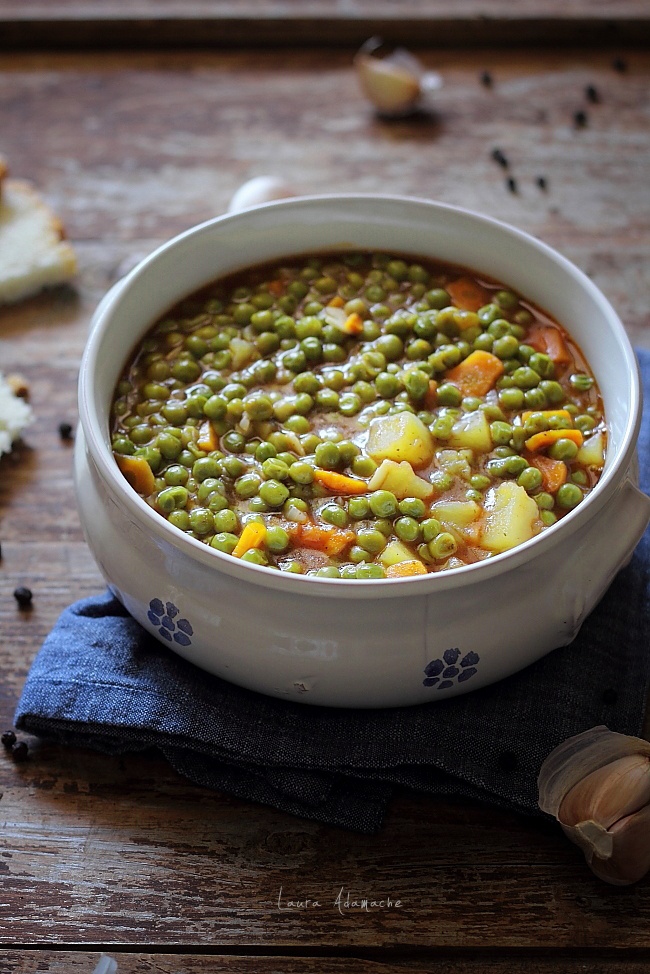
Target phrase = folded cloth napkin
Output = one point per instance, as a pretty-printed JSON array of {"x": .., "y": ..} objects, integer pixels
[{"x": 101, "y": 682}]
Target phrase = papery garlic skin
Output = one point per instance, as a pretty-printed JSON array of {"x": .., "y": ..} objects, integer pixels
[
  {"x": 597, "y": 785},
  {"x": 394, "y": 84},
  {"x": 260, "y": 189}
]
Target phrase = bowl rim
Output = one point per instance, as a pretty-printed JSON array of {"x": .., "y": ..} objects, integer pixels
[{"x": 94, "y": 441}]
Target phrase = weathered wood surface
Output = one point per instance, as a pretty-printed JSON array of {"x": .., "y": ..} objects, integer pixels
[
  {"x": 99, "y": 851},
  {"x": 79, "y": 24}
]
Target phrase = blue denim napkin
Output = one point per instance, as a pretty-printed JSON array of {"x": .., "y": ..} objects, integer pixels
[{"x": 101, "y": 682}]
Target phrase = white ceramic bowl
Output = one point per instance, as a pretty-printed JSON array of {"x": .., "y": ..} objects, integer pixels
[{"x": 372, "y": 643}]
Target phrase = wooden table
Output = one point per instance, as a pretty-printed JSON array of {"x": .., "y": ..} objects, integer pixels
[{"x": 123, "y": 855}]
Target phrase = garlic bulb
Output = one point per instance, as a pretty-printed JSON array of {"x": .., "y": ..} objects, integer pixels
[
  {"x": 261, "y": 189},
  {"x": 597, "y": 785},
  {"x": 394, "y": 83}
]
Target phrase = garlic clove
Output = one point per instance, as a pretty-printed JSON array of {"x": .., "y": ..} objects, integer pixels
[
  {"x": 394, "y": 84},
  {"x": 260, "y": 189},
  {"x": 608, "y": 794},
  {"x": 597, "y": 785}
]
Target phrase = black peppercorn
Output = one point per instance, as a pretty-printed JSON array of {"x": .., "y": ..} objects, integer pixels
[
  {"x": 580, "y": 119},
  {"x": 511, "y": 184},
  {"x": 541, "y": 182},
  {"x": 591, "y": 94},
  {"x": 19, "y": 751},
  {"x": 486, "y": 79},
  {"x": 65, "y": 431},
  {"x": 619, "y": 64},
  {"x": 500, "y": 158},
  {"x": 23, "y": 596},
  {"x": 8, "y": 739}
]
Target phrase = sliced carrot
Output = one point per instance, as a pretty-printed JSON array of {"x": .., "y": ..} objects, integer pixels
[
  {"x": 404, "y": 569},
  {"x": 252, "y": 536},
  {"x": 208, "y": 439},
  {"x": 331, "y": 541},
  {"x": 467, "y": 294},
  {"x": 339, "y": 483},
  {"x": 554, "y": 472},
  {"x": 476, "y": 374},
  {"x": 276, "y": 287},
  {"x": 138, "y": 473},
  {"x": 547, "y": 339},
  {"x": 353, "y": 324},
  {"x": 336, "y": 302},
  {"x": 431, "y": 395},
  {"x": 540, "y": 441}
]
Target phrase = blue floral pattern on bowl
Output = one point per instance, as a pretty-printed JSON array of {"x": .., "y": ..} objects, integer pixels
[
  {"x": 443, "y": 673},
  {"x": 163, "y": 615}
]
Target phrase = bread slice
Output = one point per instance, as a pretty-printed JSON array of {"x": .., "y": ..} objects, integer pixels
[{"x": 33, "y": 253}]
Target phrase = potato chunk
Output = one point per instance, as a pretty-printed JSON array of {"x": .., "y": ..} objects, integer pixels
[
  {"x": 471, "y": 431},
  {"x": 401, "y": 479},
  {"x": 592, "y": 451},
  {"x": 401, "y": 436},
  {"x": 511, "y": 517}
]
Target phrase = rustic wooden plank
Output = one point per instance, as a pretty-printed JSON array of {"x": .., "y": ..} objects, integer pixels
[
  {"x": 22, "y": 961},
  {"x": 79, "y": 24},
  {"x": 131, "y": 150}
]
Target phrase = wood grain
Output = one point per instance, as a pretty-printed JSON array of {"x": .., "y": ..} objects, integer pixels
[
  {"x": 80, "y": 24},
  {"x": 94, "y": 850}
]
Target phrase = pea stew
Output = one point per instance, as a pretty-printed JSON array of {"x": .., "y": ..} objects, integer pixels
[{"x": 359, "y": 415}]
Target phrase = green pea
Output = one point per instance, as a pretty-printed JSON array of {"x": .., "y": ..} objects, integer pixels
[
  {"x": 298, "y": 424},
  {"x": 515, "y": 465},
  {"x": 265, "y": 451},
  {"x": 479, "y": 482},
  {"x": 383, "y": 503},
  {"x": 123, "y": 446},
  {"x": 153, "y": 390},
  {"x": 333, "y": 352},
  {"x": 489, "y": 313},
  {"x": 437, "y": 298},
  {"x": 141, "y": 434},
  {"x": 275, "y": 469},
  {"x": 431, "y": 528},
  {"x": 175, "y": 412},
  {"x": 226, "y": 520},
  {"x": 180, "y": 520},
  {"x": 349, "y": 404},
  {"x": 301, "y": 472},
  {"x": 255, "y": 557},
  {"x": 358, "y": 508},
  {"x": 505, "y": 347},
  {"x": 585, "y": 423},
  {"x": 172, "y": 498},
  {"x": 580, "y": 477},
  {"x": 363, "y": 466},
  {"x": 553, "y": 391},
  {"x": 201, "y": 520},
  {"x": 501, "y": 433},
  {"x": 295, "y": 360},
  {"x": 151, "y": 455},
  {"x": 257, "y": 505},
  {"x": 568, "y": 496},
  {"x": 448, "y": 395},
  {"x": 530, "y": 479},
  {"x": 365, "y": 571},
  {"x": 535, "y": 398},
  {"x": 545, "y": 501},
  {"x": 506, "y": 300},
  {"x": 525, "y": 377},
  {"x": 563, "y": 449},
  {"x": 407, "y": 529},
  {"x": 274, "y": 493},
  {"x": 234, "y": 442},
  {"x": 443, "y": 545},
  {"x": 416, "y": 383},
  {"x": 511, "y": 398},
  {"x": 484, "y": 342},
  {"x": 277, "y": 539},
  {"x": 327, "y": 399},
  {"x": 387, "y": 385},
  {"x": 247, "y": 485},
  {"x": 581, "y": 382},
  {"x": 547, "y": 518},
  {"x": 371, "y": 540},
  {"x": 186, "y": 370},
  {"x": 258, "y": 406},
  {"x": 205, "y": 467},
  {"x": 334, "y": 514},
  {"x": 412, "y": 507},
  {"x": 391, "y": 346},
  {"x": 442, "y": 426}
]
